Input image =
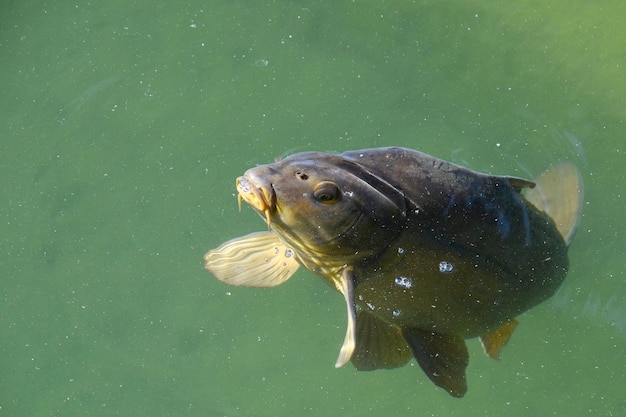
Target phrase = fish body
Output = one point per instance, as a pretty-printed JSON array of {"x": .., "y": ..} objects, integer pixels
[{"x": 426, "y": 253}]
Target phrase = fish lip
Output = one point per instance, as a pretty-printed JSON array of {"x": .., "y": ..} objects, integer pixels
[{"x": 261, "y": 198}]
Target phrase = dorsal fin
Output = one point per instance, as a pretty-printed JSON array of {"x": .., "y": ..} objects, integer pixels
[
  {"x": 520, "y": 183},
  {"x": 559, "y": 193}
]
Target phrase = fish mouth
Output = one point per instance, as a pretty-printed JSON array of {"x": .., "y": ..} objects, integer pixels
[{"x": 262, "y": 199}]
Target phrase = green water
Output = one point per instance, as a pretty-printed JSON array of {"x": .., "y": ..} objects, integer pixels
[{"x": 125, "y": 123}]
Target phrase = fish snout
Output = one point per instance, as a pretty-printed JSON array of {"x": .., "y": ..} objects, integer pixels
[{"x": 261, "y": 197}]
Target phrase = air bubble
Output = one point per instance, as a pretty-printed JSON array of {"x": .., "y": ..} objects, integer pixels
[
  {"x": 445, "y": 267},
  {"x": 400, "y": 251},
  {"x": 404, "y": 282},
  {"x": 288, "y": 253},
  {"x": 396, "y": 313}
]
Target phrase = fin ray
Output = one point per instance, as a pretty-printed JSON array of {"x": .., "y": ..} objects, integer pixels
[
  {"x": 258, "y": 259},
  {"x": 349, "y": 342}
]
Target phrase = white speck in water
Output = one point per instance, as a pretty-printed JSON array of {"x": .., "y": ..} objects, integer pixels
[{"x": 400, "y": 251}]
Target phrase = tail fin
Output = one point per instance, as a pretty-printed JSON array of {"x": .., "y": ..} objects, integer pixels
[{"x": 559, "y": 193}]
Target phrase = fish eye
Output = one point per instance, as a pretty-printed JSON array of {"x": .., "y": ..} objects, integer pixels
[{"x": 326, "y": 192}]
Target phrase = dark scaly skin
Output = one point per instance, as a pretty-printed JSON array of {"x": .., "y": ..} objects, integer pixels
[{"x": 506, "y": 255}]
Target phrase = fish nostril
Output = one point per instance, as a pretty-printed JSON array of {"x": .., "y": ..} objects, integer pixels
[{"x": 302, "y": 176}]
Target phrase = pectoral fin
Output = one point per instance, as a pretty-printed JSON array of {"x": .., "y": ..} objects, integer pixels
[
  {"x": 346, "y": 288},
  {"x": 378, "y": 344},
  {"x": 494, "y": 341},
  {"x": 256, "y": 260},
  {"x": 442, "y": 357}
]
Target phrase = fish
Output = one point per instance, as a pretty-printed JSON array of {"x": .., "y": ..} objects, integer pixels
[{"x": 425, "y": 253}]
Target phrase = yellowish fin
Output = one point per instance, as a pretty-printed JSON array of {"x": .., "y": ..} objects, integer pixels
[
  {"x": 256, "y": 260},
  {"x": 349, "y": 342},
  {"x": 559, "y": 193},
  {"x": 494, "y": 341}
]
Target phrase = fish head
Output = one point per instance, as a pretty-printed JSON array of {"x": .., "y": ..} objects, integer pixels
[{"x": 325, "y": 204}]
